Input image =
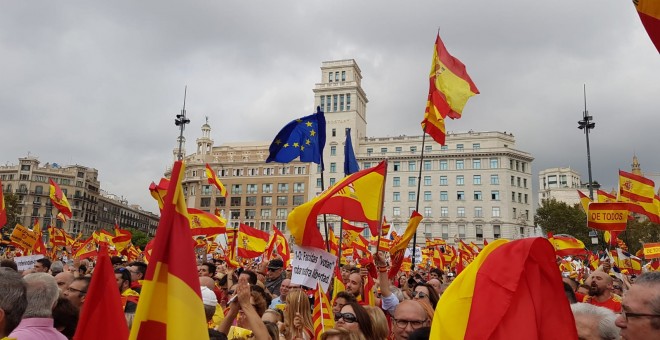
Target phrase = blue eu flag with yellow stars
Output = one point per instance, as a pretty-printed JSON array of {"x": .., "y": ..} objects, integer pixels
[{"x": 303, "y": 137}]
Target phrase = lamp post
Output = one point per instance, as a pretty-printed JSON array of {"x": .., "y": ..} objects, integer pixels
[
  {"x": 586, "y": 124},
  {"x": 181, "y": 121}
]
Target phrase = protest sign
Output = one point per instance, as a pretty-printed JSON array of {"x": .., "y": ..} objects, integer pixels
[
  {"x": 23, "y": 237},
  {"x": 27, "y": 262},
  {"x": 312, "y": 264}
]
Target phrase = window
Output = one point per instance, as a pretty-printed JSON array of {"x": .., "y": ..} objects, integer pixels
[
  {"x": 298, "y": 200},
  {"x": 514, "y": 213},
  {"x": 319, "y": 183},
  {"x": 496, "y": 212},
  {"x": 348, "y": 101},
  {"x": 412, "y": 165},
  {"x": 298, "y": 187},
  {"x": 411, "y": 196},
  {"x": 427, "y": 180},
  {"x": 398, "y": 149},
  {"x": 283, "y": 187},
  {"x": 427, "y": 212},
  {"x": 333, "y": 167},
  {"x": 519, "y": 197},
  {"x": 251, "y": 188},
  {"x": 525, "y": 183},
  {"x": 332, "y": 181},
  {"x": 513, "y": 180},
  {"x": 383, "y": 150},
  {"x": 410, "y": 210},
  {"x": 333, "y": 150},
  {"x": 236, "y": 189},
  {"x": 526, "y": 199},
  {"x": 396, "y": 211},
  {"x": 396, "y": 181},
  {"x": 461, "y": 231},
  {"x": 334, "y": 104},
  {"x": 330, "y": 77},
  {"x": 444, "y": 196},
  {"x": 396, "y": 196},
  {"x": 265, "y": 213},
  {"x": 443, "y": 180},
  {"x": 341, "y": 102},
  {"x": 478, "y": 212},
  {"x": 443, "y": 165},
  {"x": 476, "y": 146},
  {"x": 445, "y": 231},
  {"x": 220, "y": 201},
  {"x": 337, "y": 76},
  {"x": 343, "y": 75},
  {"x": 367, "y": 165},
  {"x": 476, "y": 179},
  {"x": 428, "y": 148},
  {"x": 413, "y": 149},
  {"x": 494, "y": 179},
  {"x": 496, "y": 231},
  {"x": 479, "y": 231},
  {"x": 235, "y": 201},
  {"x": 396, "y": 166},
  {"x": 205, "y": 202},
  {"x": 460, "y": 195},
  {"x": 428, "y": 229},
  {"x": 459, "y": 147},
  {"x": 513, "y": 196},
  {"x": 477, "y": 196},
  {"x": 322, "y": 103},
  {"x": 460, "y": 165},
  {"x": 250, "y": 214},
  {"x": 460, "y": 180},
  {"x": 428, "y": 196},
  {"x": 281, "y": 213},
  {"x": 251, "y": 201},
  {"x": 282, "y": 200},
  {"x": 206, "y": 189},
  {"x": 444, "y": 211},
  {"x": 460, "y": 212},
  {"x": 370, "y": 151},
  {"x": 476, "y": 164},
  {"x": 411, "y": 181},
  {"x": 494, "y": 163},
  {"x": 267, "y": 188},
  {"x": 495, "y": 195},
  {"x": 444, "y": 147},
  {"x": 427, "y": 165}
]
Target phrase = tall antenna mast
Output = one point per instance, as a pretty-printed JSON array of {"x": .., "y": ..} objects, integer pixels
[
  {"x": 181, "y": 121},
  {"x": 587, "y": 124}
]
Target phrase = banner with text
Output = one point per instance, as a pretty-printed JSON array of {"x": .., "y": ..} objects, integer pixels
[
  {"x": 23, "y": 237},
  {"x": 311, "y": 264},
  {"x": 27, "y": 262},
  {"x": 608, "y": 216},
  {"x": 651, "y": 250}
]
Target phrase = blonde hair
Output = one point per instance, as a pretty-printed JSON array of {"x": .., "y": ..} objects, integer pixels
[
  {"x": 342, "y": 333},
  {"x": 297, "y": 302},
  {"x": 378, "y": 322}
]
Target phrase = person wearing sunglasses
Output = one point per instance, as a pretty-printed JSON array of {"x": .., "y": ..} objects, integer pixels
[
  {"x": 425, "y": 292},
  {"x": 640, "y": 317},
  {"x": 355, "y": 318}
]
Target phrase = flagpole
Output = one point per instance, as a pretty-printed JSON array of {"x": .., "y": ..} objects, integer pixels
[
  {"x": 325, "y": 220},
  {"x": 380, "y": 211},
  {"x": 419, "y": 185},
  {"x": 341, "y": 236}
]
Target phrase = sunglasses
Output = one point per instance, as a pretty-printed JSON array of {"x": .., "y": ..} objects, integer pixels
[
  {"x": 421, "y": 295},
  {"x": 347, "y": 317},
  {"x": 616, "y": 287}
]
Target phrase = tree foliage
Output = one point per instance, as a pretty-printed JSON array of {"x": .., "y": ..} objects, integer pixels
[
  {"x": 638, "y": 232},
  {"x": 560, "y": 218},
  {"x": 13, "y": 212},
  {"x": 140, "y": 238}
]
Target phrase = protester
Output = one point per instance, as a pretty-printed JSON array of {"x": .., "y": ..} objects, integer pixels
[
  {"x": 243, "y": 302},
  {"x": 37, "y": 322},
  {"x": 640, "y": 318},
  {"x": 284, "y": 290},
  {"x": 63, "y": 280},
  {"x": 425, "y": 292},
  {"x": 408, "y": 316},
  {"x": 56, "y": 267},
  {"x": 342, "y": 299},
  {"x": 42, "y": 265},
  {"x": 6, "y": 263},
  {"x": 594, "y": 323},
  {"x": 138, "y": 271},
  {"x": 77, "y": 291},
  {"x": 437, "y": 286},
  {"x": 65, "y": 317},
  {"x": 129, "y": 297},
  {"x": 13, "y": 300},
  {"x": 353, "y": 317},
  {"x": 275, "y": 276},
  {"x": 207, "y": 269},
  {"x": 297, "y": 316},
  {"x": 379, "y": 322},
  {"x": 275, "y": 316},
  {"x": 600, "y": 292}
]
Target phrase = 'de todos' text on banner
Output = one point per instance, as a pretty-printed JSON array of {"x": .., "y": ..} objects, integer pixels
[
  {"x": 608, "y": 216},
  {"x": 312, "y": 264}
]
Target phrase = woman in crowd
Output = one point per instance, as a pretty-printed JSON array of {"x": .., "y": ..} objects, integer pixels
[
  {"x": 298, "y": 316},
  {"x": 355, "y": 318},
  {"x": 424, "y": 292},
  {"x": 341, "y": 334},
  {"x": 379, "y": 322}
]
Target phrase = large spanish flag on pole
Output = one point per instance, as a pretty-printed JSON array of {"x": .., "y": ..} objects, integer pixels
[
  {"x": 170, "y": 304},
  {"x": 213, "y": 179},
  {"x": 59, "y": 200},
  {"x": 640, "y": 191},
  {"x": 3, "y": 209},
  {"x": 357, "y": 197},
  {"x": 649, "y": 14},
  {"x": 251, "y": 242}
]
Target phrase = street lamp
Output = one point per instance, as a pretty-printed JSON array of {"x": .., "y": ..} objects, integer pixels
[
  {"x": 586, "y": 124},
  {"x": 181, "y": 121}
]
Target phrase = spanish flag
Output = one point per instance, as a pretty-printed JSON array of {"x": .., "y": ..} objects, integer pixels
[
  {"x": 203, "y": 223},
  {"x": 213, "y": 179},
  {"x": 357, "y": 197},
  {"x": 605, "y": 197},
  {"x": 649, "y": 14},
  {"x": 122, "y": 239},
  {"x": 640, "y": 191},
  {"x": 251, "y": 242},
  {"x": 584, "y": 201},
  {"x": 3, "y": 210},
  {"x": 400, "y": 243},
  {"x": 170, "y": 304},
  {"x": 59, "y": 200},
  {"x": 88, "y": 249},
  {"x": 511, "y": 290},
  {"x": 566, "y": 245},
  {"x": 158, "y": 191},
  {"x": 278, "y": 241}
]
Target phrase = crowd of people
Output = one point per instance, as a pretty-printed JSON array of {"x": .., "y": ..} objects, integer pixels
[{"x": 259, "y": 301}]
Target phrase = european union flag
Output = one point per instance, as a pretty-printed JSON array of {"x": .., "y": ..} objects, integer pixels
[
  {"x": 303, "y": 137},
  {"x": 350, "y": 162}
]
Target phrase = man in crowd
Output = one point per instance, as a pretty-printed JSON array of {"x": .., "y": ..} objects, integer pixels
[
  {"x": 37, "y": 322},
  {"x": 275, "y": 276},
  {"x": 42, "y": 265},
  {"x": 63, "y": 280},
  {"x": 129, "y": 297},
  {"x": 437, "y": 285},
  {"x": 284, "y": 291},
  {"x": 640, "y": 318},
  {"x": 408, "y": 316},
  {"x": 13, "y": 300},
  {"x": 594, "y": 323},
  {"x": 600, "y": 292},
  {"x": 207, "y": 269},
  {"x": 138, "y": 270},
  {"x": 77, "y": 291},
  {"x": 56, "y": 267}
]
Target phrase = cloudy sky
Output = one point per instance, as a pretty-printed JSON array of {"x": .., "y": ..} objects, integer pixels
[{"x": 99, "y": 83}]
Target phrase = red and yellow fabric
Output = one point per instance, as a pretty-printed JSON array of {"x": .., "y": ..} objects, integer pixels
[
  {"x": 87, "y": 249},
  {"x": 510, "y": 288},
  {"x": 649, "y": 14},
  {"x": 322, "y": 315},
  {"x": 132, "y": 253},
  {"x": 103, "y": 236},
  {"x": 122, "y": 239},
  {"x": 3, "y": 209},
  {"x": 251, "y": 242},
  {"x": 57, "y": 236},
  {"x": 608, "y": 216},
  {"x": 357, "y": 197},
  {"x": 432, "y": 125},
  {"x": 611, "y": 237},
  {"x": 59, "y": 200},
  {"x": 566, "y": 245},
  {"x": 170, "y": 305},
  {"x": 278, "y": 242},
  {"x": 61, "y": 217},
  {"x": 652, "y": 250},
  {"x": 213, "y": 179},
  {"x": 625, "y": 260},
  {"x": 158, "y": 191},
  {"x": 640, "y": 191},
  {"x": 400, "y": 243},
  {"x": 204, "y": 223},
  {"x": 605, "y": 197},
  {"x": 584, "y": 201},
  {"x": 39, "y": 247}
]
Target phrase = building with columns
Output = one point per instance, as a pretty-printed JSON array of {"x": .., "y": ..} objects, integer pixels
[{"x": 478, "y": 186}]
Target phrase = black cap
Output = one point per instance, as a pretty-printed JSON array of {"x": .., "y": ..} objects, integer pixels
[
  {"x": 275, "y": 264},
  {"x": 117, "y": 260}
]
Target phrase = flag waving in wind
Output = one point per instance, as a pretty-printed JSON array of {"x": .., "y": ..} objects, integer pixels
[
  {"x": 3, "y": 210},
  {"x": 59, "y": 200},
  {"x": 170, "y": 305},
  {"x": 350, "y": 163},
  {"x": 303, "y": 137},
  {"x": 213, "y": 179}
]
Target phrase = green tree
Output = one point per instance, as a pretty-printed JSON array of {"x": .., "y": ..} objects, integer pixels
[
  {"x": 560, "y": 218},
  {"x": 140, "y": 238},
  {"x": 13, "y": 212},
  {"x": 639, "y": 232}
]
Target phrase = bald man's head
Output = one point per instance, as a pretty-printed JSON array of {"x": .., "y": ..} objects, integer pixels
[
  {"x": 411, "y": 315},
  {"x": 207, "y": 282}
]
